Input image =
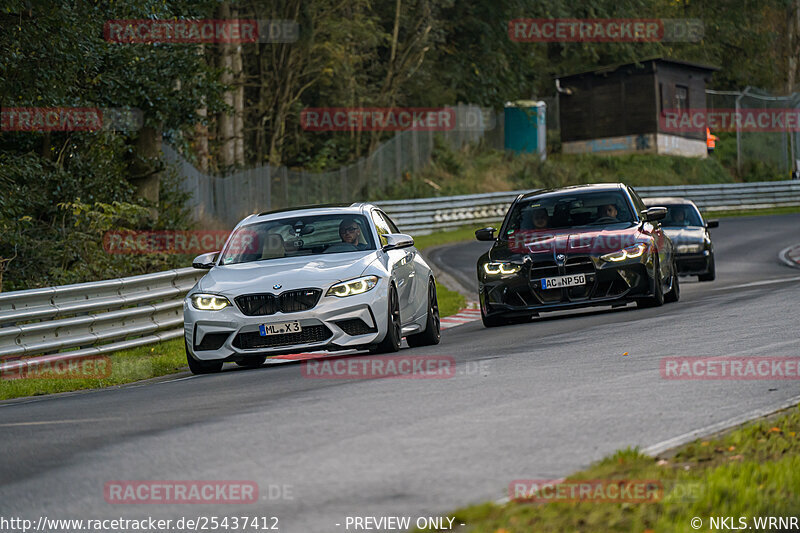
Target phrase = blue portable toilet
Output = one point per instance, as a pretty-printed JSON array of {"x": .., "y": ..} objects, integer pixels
[{"x": 525, "y": 127}]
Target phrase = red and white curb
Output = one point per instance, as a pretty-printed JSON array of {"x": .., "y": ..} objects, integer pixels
[
  {"x": 462, "y": 317},
  {"x": 791, "y": 256}
]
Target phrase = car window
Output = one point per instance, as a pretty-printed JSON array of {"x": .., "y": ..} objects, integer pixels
[
  {"x": 382, "y": 226},
  {"x": 637, "y": 200},
  {"x": 570, "y": 210},
  {"x": 389, "y": 222},
  {"x": 681, "y": 215},
  {"x": 298, "y": 236}
]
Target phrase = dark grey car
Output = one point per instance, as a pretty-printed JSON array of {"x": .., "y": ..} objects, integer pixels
[{"x": 685, "y": 226}]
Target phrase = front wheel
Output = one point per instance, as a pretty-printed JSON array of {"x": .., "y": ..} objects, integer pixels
[
  {"x": 394, "y": 335},
  {"x": 432, "y": 334},
  {"x": 711, "y": 274},
  {"x": 201, "y": 367},
  {"x": 657, "y": 299},
  {"x": 674, "y": 293},
  {"x": 492, "y": 321}
]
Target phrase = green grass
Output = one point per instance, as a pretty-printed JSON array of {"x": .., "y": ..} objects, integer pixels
[
  {"x": 479, "y": 169},
  {"x": 450, "y": 302},
  {"x": 752, "y": 212},
  {"x": 753, "y": 470},
  {"x": 127, "y": 366}
]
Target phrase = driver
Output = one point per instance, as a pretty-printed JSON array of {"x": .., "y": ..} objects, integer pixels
[
  {"x": 679, "y": 217},
  {"x": 607, "y": 211},
  {"x": 540, "y": 218},
  {"x": 350, "y": 233}
]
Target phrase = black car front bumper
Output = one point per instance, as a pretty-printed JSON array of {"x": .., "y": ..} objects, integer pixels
[
  {"x": 606, "y": 284},
  {"x": 694, "y": 264}
]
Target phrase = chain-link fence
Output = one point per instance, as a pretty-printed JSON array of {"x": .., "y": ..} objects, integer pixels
[
  {"x": 766, "y": 148},
  {"x": 221, "y": 201}
]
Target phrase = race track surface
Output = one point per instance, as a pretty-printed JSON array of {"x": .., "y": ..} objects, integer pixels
[{"x": 536, "y": 400}]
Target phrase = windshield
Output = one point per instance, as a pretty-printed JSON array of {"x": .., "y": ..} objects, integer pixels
[
  {"x": 681, "y": 215},
  {"x": 568, "y": 211},
  {"x": 298, "y": 236}
]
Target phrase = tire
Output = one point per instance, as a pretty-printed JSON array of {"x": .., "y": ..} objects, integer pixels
[
  {"x": 201, "y": 367},
  {"x": 674, "y": 293},
  {"x": 492, "y": 321},
  {"x": 394, "y": 334},
  {"x": 252, "y": 362},
  {"x": 711, "y": 274},
  {"x": 433, "y": 333},
  {"x": 657, "y": 300}
]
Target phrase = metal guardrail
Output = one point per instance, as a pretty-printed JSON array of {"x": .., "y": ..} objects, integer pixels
[
  {"x": 88, "y": 319},
  {"x": 94, "y": 318},
  {"x": 426, "y": 215}
]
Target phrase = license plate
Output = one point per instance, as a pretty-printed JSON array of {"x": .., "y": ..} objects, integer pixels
[
  {"x": 280, "y": 328},
  {"x": 563, "y": 281}
]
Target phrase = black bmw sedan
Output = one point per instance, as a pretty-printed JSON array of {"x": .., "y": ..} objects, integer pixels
[
  {"x": 575, "y": 247},
  {"x": 684, "y": 225}
]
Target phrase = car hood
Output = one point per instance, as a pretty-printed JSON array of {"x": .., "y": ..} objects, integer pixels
[
  {"x": 569, "y": 241},
  {"x": 690, "y": 235},
  {"x": 290, "y": 272}
]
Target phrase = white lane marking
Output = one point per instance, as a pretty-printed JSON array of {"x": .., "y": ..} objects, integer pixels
[
  {"x": 758, "y": 283},
  {"x": 784, "y": 256},
  {"x": 764, "y": 347},
  {"x": 174, "y": 380},
  {"x": 662, "y": 446},
  {"x": 47, "y": 422}
]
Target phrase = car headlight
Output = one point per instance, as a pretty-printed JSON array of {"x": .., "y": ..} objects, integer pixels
[
  {"x": 353, "y": 286},
  {"x": 689, "y": 248},
  {"x": 502, "y": 269},
  {"x": 209, "y": 302},
  {"x": 630, "y": 252}
]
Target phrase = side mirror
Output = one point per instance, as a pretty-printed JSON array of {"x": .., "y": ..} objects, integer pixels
[
  {"x": 397, "y": 240},
  {"x": 205, "y": 261},
  {"x": 712, "y": 223},
  {"x": 485, "y": 234},
  {"x": 655, "y": 213}
]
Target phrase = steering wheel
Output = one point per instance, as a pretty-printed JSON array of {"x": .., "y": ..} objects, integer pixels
[{"x": 605, "y": 219}]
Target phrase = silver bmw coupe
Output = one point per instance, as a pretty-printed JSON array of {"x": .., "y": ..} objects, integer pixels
[{"x": 305, "y": 279}]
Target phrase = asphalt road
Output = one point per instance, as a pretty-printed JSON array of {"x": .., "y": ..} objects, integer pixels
[{"x": 536, "y": 400}]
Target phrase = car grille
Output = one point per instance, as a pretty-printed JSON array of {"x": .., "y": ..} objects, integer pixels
[
  {"x": 286, "y": 302},
  {"x": 253, "y": 339},
  {"x": 355, "y": 326},
  {"x": 549, "y": 268}
]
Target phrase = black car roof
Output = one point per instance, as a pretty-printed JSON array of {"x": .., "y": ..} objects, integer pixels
[{"x": 592, "y": 187}]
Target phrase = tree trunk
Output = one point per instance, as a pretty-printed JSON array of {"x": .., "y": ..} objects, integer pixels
[
  {"x": 793, "y": 43},
  {"x": 225, "y": 119},
  {"x": 147, "y": 167}
]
